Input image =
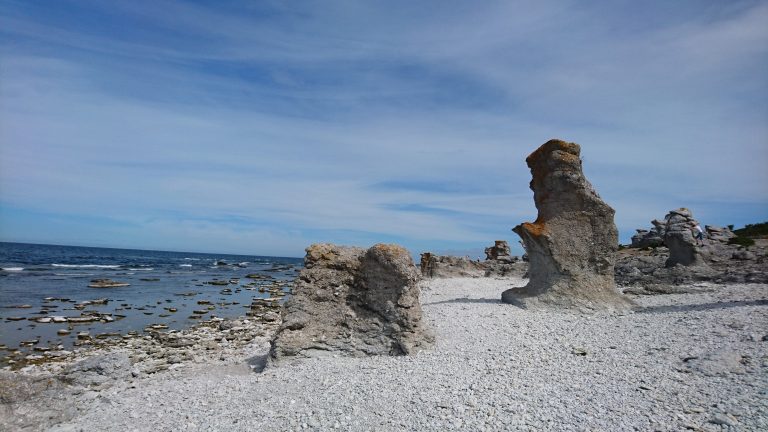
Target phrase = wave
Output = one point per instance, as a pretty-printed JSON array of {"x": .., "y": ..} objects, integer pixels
[
  {"x": 140, "y": 269},
  {"x": 185, "y": 265},
  {"x": 192, "y": 259},
  {"x": 12, "y": 269},
  {"x": 84, "y": 266}
]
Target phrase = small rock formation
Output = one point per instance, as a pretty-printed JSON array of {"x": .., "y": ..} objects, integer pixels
[
  {"x": 499, "y": 251},
  {"x": 680, "y": 240},
  {"x": 721, "y": 234},
  {"x": 655, "y": 236},
  {"x": 354, "y": 302},
  {"x": 652, "y": 238},
  {"x": 447, "y": 266},
  {"x": 572, "y": 244}
]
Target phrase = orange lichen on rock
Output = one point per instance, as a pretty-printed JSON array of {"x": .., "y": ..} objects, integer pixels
[
  {"x": 534, "y": 228},
  {"x": 550, "y": 147}
]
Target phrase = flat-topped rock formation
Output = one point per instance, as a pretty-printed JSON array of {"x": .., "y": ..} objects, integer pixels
[
  {"x": 572, "y": 244},
  {"x": 354, "y": 302}
]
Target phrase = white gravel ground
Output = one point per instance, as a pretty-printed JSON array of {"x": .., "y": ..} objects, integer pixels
[{"x": 688, "y": 361}]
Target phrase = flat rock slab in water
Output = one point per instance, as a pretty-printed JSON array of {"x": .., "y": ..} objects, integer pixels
[{"x": 107, "y": 283}]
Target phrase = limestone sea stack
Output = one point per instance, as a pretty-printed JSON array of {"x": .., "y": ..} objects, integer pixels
[
  {"x": 679, "y": 238},
  {"x": 572, "y": 244},
  {"x": 355, "y": 302}
]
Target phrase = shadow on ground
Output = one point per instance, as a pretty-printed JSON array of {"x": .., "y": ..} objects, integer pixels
[
  {"x": 258, "y": 362},
  {"x": 466, "y": 300},
  {"x": 702, "y": 306}
]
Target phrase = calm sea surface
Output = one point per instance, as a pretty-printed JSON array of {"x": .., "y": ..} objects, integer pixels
[{"x": 39, "y": 281}]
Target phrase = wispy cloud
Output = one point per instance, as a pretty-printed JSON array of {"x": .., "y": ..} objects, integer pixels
[{"x": 264, "y": 126}]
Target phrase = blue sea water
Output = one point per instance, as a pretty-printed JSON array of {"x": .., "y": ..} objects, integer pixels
[{"x": 46, "y": 280}]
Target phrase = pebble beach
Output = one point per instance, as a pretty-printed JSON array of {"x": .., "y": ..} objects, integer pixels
[{"x": 695, "y": 361}]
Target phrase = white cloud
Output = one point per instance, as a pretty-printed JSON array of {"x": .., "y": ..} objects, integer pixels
[{"x": 286, "y": 122}]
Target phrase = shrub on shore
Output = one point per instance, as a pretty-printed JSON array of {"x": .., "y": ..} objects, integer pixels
[
  {"x": 741, "y": 241},
  {"x": 753, "y": 230}
]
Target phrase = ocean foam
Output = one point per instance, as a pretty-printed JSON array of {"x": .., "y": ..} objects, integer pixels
[
  {"x": 86, "y": 266},
  {"x": 12, "y": 269}
]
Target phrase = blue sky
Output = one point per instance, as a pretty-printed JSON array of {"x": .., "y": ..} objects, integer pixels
[{"x": 262, "y": 127}]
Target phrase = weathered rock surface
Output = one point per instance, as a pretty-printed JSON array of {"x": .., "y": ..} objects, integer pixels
[
  {"x": 32, "y": 403},
  {"x": 353, "y": 302},
  {"x": 98, "y": 370},
  {"x": 572, "y": 244}
]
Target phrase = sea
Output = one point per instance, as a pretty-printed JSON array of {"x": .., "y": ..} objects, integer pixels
[{"x": 40, "y": 284}]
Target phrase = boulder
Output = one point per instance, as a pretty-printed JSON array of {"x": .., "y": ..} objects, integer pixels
[
  {"x": 572, "y": 244},
  {"x": 354, "y": 302}
]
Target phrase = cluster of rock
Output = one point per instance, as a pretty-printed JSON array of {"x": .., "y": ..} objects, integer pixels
[
  {"x": 678, "y": 260},
  {"x": 650, "y": 238},
  {"x": 447, "y": 266},
  {"x": 159, "y": 349},
  {"x": 572, "y": 244},
  {"x": 355, "y": 302},
  {"x": 654, "y": 237},
  {"x": 499, "y": 262}
]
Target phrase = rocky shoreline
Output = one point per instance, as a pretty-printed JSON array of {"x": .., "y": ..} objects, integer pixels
[
  {"x": 694, "y": 361},
  {"x": 48, "y": 391},
  {"x": 84, "y": 325}
]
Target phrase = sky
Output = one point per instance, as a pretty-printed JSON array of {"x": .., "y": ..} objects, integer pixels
[{"x": 262, "y": 127}]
